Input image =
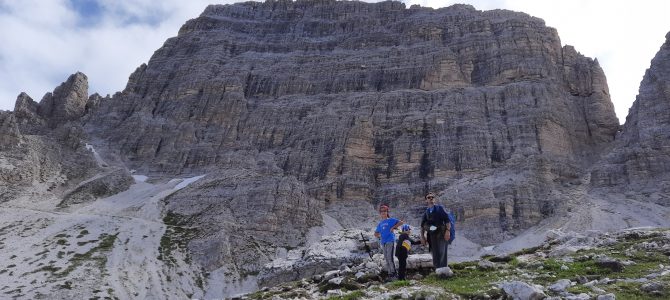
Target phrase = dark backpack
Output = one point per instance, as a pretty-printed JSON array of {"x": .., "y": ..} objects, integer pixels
[{"x": 452, "y": 223}]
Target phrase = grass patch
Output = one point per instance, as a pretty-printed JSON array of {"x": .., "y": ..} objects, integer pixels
[
  {"x": 469, "y": 283},
  {"x": 398, "y": 284},
  {"x": 632, "y": 291},
  {"x": 526, "y": 251},
  {"x": 86, "y": 242},
  {"x": 355, "y": 295},
  {"x": 578, "y": 289}
]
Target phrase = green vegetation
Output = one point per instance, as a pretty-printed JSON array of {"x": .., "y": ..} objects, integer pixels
[
  {"x": 398, "y": 284},
  {"x": 624, "y": 261},
  {"x": 355, "y": 295},
  {"x": 177, "y": 235},
  {"x": 95, "y": 254},
  {"x": 82, "y": 233},
  {"x": 467, "y": 282}
]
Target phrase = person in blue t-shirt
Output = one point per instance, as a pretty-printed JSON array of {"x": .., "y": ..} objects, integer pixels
[{"x": 385, "y": 233}]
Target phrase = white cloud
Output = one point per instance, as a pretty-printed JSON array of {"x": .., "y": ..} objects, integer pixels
[
  {"x": 45, "y": 44},
  {"x": 42, "y": 42}
]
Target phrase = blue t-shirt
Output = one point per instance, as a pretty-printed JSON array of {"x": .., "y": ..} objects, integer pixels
[{"x": 384, "y": 229}]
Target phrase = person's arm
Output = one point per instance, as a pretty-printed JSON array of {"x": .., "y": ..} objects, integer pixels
[
  {"x": 447, "y": 232},
  {"x": 423, "y": 229},
  {"x": 397, "y": 224},
  {"x": 377, "y": 234}
]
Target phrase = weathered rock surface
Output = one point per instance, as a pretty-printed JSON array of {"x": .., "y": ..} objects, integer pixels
[
  {"x": 11, "y": 136},
  {"x": 67, "y": 102},
  {"x": 244, "y": 213},
  {"x": 42, "y": 146},
  {"x": 103, "y": 185},
  {"x": 640, "y": 160},
  {"x": 519, "y": 290},
  {"x": 373, "y": 102}
]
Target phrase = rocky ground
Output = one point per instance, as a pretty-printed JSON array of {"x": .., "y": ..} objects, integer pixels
[
  {"x": 629, "y": 264},
  {"x": 117, "y": 247}
]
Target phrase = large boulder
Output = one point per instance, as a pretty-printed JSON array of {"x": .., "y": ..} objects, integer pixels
[{"x": 518, "y": 290}]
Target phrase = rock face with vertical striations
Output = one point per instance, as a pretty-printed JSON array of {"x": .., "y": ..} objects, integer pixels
[
  {"x": 640, "y": 160},
  {"x": 43, "y": 147},
  {"x": 370, "y": 103}
]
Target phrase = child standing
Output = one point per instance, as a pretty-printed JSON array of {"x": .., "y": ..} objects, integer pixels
[
  {"x": 385, "y": 233},
  {"x": 402, "y": 250}
]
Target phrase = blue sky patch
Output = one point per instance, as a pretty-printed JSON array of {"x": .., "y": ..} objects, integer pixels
[{"x": 89, "y": 11}]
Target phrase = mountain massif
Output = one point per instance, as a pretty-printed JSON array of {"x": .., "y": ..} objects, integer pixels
[{"x": 261, "y": 127}]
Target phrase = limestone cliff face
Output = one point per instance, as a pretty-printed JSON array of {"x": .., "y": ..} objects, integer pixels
[
  {"x": 364, "y": 102},
  {"x": 43, "y": 147},
  {"x": 640, "y": 160}
]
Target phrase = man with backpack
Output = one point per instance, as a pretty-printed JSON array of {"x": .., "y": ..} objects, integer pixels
[{"x": 437, "y": 229}]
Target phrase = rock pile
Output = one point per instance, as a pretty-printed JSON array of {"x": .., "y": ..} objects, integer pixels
[{"x": 537, "y": 273}]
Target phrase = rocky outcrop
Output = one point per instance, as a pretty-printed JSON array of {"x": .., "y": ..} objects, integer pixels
[
  {"x": 67, "y": 102},
  {"x": 640, "y": 160},
  {"x": 528, "y": 274},
  {"x": 9, "y": 131},
  {"x": 103, "y": 185},
  {"x": 42, "y": 146},
  {"x": 243, "y": 214}
]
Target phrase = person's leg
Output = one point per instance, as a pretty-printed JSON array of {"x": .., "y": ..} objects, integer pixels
[
  {"x": 446, "y": 251},
  {"x": 440, "y": 252},
  {"x": 388, "y": 256},
  {"x": 402, "y": 267},
  {"x": 434, "y": 252}
]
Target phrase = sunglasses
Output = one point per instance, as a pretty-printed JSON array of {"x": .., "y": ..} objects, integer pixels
[{"x": 430, "y": 197}]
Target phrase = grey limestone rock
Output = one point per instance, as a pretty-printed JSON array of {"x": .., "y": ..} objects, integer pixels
[
  {"x": 444, "y": 272},
  {"x": 103, "y": 185},
  {"x": 606, "y": 297},
  {"x": 560, "y": 285},
  {"x": 519, "y": 290},
  {"x": 10, "y": 136},
  {"x": 67, "y": 102},
  {"x": 486, "y": 265},
  {"x": 42, "y": 145},
  {"x": 373, "y": 102},
  {"x": 640, "y": 160}
]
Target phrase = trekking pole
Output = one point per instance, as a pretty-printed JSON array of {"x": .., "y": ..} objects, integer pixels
[{"x": 367, "y": 247}]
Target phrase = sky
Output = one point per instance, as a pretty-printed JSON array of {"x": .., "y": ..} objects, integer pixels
[{"x": 42, "y": 42}]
